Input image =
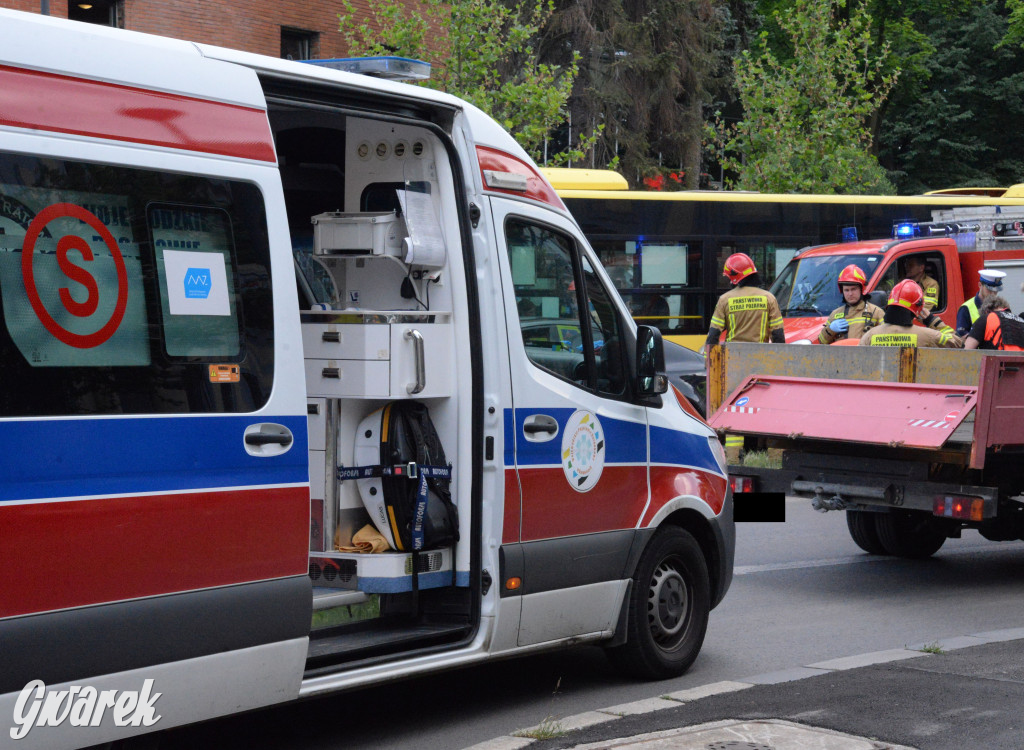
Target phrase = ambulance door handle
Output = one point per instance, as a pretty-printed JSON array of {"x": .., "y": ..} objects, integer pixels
[
  {"x": 421, "y": 367},
  {"x": 267, "y": 439},
  {"x": 540, "y": 427}
]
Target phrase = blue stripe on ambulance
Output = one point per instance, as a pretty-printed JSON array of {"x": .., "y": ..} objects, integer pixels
[
  {"x": 85, "y": 457},
  {"x": 625, "y": 442},
  {"x": 682, "y": 448}
]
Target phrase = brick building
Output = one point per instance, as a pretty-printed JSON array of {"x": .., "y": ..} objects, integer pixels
[{"x": 299, "y": 29}]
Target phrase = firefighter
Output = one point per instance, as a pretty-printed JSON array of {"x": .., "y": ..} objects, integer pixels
[
  {"x": 996, "y": 327},
  {"x": 916, "y": 271},
  {"x": 746, "y": 312},
  {"x": 906, "y": 302},
  {"x": 857, "y": 315},
  {"x": 990, "y": 283}
]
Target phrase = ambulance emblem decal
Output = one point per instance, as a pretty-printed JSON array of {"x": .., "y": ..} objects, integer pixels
[{"x": 583, "y": 450}]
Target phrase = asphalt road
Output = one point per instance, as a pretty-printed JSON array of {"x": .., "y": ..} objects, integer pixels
[{"x": 803, "y": 592}]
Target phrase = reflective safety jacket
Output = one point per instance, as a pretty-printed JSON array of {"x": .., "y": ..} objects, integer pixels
[
  {"x": 968, "y": 315},
  {"x": 862, "y": 317},
  {"x": 888, "y": 334},
  {"x": 1000, "y": 330},
  {"x": 747, "y": 313},
  {"x": 930, "y": 287}
]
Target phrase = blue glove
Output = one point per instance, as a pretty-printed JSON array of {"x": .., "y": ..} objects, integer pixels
[{"x": 839, "y": 325}]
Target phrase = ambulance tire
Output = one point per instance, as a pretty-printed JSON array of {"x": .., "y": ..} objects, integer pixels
[
  {"x": 861, "y": 524},
  {"x": 668, "y": 608},
  {"x": 906, "y": 534}
]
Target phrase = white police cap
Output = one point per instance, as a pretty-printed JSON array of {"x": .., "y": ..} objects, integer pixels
[{"x": 991, "y": 278}]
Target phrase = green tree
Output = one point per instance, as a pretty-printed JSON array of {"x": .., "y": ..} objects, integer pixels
[
  {"x": 480, "y": 50},
  {"x": 1014, "y": 36},
  {"x": 649, "y": 71},
  {"x": 955, "y": 129},
  {"x": 896, "y": 24},
  {"x": 804, "y": 127}
]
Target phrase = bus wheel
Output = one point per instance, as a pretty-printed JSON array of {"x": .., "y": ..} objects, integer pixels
[
  {"x": 668, "y": 608},
  {"x": 908, "y": 534},
  {"x": 861, "y": 524}
]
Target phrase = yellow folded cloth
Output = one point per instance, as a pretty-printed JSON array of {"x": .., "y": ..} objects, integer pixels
[{"x": 367, "y": 539}]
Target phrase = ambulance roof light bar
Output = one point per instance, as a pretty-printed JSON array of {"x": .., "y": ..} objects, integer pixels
[
  {"x": 389, "y": 67},
  {"x": 910, "y": 229}
]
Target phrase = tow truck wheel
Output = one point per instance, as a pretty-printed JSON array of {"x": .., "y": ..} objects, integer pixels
[
  {"x": 908, "y": 534},
  {"x": 668, "y": 608},
  {"x": 861, "y": 524}
]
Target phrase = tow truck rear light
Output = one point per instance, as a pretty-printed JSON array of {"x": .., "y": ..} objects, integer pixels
[
  {"x": 506, "y": 173},
  {"x": 741, "y": 484},
  {"x": 963, "y": 507}
]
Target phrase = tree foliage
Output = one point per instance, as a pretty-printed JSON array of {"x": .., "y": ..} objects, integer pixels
[
  {"x": 480, "y": 50},
  {"x": 805, "y": 120},
  {"x": 649, "y": 71},
  {"x": 956, "y": 127}
]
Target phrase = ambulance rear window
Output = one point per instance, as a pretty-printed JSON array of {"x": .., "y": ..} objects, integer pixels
[{"x": 127, "y": 291}]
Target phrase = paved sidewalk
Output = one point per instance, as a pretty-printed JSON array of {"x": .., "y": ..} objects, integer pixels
[{"x": 958, "y": 693}]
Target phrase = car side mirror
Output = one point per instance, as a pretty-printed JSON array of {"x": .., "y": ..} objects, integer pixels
[
  {"x": 650, "y": 361},
  {"x": 878, "y": 298}
]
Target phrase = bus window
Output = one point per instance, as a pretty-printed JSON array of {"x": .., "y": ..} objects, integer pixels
[
  {"x": 660, "y": 280},
  {"x": 714, "y": 224}
]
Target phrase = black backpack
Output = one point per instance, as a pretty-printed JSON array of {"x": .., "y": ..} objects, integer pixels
[{"x": 417, "y": 489}]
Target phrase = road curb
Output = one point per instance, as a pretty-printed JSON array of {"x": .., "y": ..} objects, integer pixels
[{"x": 557, "y": 727}]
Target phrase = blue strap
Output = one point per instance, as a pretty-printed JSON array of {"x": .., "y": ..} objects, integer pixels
[
  {"x": 410, "y": 471},
  {"x": 419, "y": 513}
]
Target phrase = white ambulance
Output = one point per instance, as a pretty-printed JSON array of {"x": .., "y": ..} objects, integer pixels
[{"x": 310, "y": 380}]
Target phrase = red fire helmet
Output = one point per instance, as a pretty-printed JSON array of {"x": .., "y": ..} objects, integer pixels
[
  {"x": 907, "y": 294},
  {"x": 852, "y": 274},
  {"x": 738, "y": 266}
]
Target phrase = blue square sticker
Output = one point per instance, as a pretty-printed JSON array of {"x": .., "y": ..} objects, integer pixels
[{"x": 197, "y": 283}]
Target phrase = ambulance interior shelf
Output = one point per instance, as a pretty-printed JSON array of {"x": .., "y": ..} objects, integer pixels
[{"x": 342, "y": 433}]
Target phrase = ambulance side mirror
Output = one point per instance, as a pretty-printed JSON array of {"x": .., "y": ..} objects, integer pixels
[{"x": 650, "y": 361}]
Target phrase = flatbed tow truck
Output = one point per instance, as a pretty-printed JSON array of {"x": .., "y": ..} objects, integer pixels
[{"x": 915, "y": 445}]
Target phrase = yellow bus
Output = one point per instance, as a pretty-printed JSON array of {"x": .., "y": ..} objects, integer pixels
[{"x": 664, "y": 250}]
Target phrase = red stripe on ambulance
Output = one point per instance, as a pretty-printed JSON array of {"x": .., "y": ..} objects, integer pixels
[
  {"x": 551, "y": 508},
  {"x": 670, "y": 482},
  {"x": 112, "y": 549},
  {"x": 63, "y": 104}
]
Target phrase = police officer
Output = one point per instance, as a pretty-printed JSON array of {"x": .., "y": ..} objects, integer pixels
[
  {"x": 915, "y": 271},
  {"x": 996, "y": 327},
  {"x": 854, "y": 317},
  {"x": 990, "y": 283},
  {"x": 746, "y": 312},
  {"x": 906, "y": 302}
]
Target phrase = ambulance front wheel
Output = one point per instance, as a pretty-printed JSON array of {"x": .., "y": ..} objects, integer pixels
[{"x": 668, "y": 608}]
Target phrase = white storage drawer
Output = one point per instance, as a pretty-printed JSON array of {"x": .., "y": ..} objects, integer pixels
[
  {"x": 387, "y": 355},
  {"x": 347, "y": 378},
  {"x": 437, "y": 359},
  {"x": 345, "y": 341}
]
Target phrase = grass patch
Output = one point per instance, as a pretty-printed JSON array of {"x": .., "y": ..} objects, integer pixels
[
  {"x": 932, "y": 648},
  {"x": 763, "y": 459},
  {"x": 546, "y": 730}
]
